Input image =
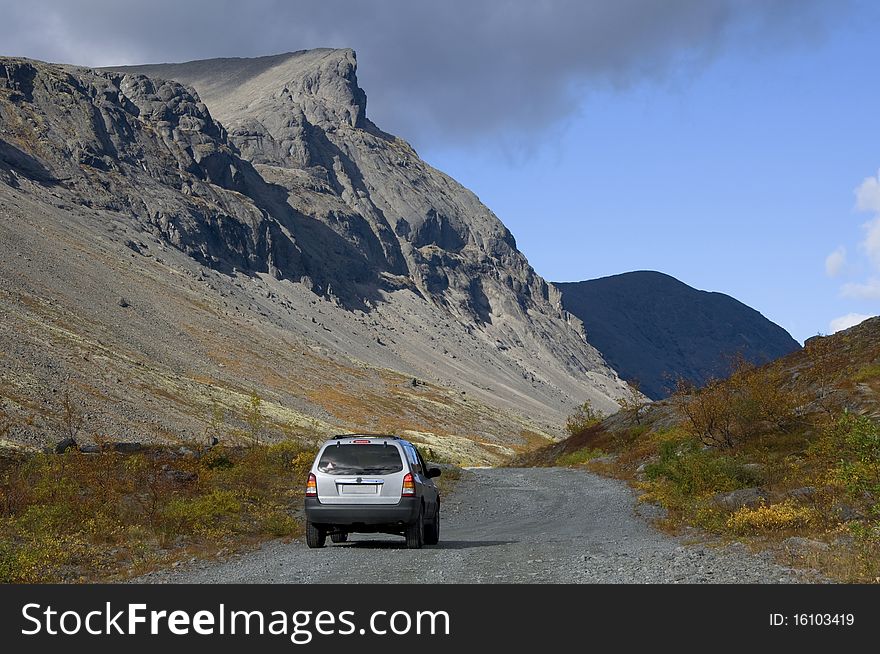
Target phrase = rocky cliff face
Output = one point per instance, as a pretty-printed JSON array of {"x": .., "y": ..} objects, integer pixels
[
  {"x": 264, "y": 182},
  {"x": 301, "y": 119},
  {"x": 654, "y": 328}
]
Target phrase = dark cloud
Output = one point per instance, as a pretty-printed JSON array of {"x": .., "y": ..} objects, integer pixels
[{"x": 443, "y": 71}]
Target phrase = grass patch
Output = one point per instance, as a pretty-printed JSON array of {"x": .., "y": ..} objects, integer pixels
[
  {"x": 868, "y": 373},
  {"x": 86, "y": 517},
  {"x": 579, "y": 457}
]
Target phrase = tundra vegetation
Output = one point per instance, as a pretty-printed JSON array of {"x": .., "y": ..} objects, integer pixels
[
  {"x": 784, "y": 456},
  {"x": 110, "y": 510}
]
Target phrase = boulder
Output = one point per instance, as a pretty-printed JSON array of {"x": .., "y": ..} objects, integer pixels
[
  {"x": 743, "y": 497},
  {"x": 127, "y": 448},
  {"x": 846, "y": 512},
  {"x": 805, "y": 493},
  {"x": 65, "y": 444},
  {"x": 798, "y": 546},
  {"x": 179, "y": 476}
]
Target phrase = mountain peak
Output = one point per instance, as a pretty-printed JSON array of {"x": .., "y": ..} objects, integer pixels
[
  {"x": 262, "y": 182},
  {"x": 317, "y": 85}
]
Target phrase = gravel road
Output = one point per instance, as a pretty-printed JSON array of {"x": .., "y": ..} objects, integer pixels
[{"x": 540, "y": 525}]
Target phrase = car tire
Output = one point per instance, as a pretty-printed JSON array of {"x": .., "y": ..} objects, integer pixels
[
  {"x": 432, "y": 529},
  {"x": 339, "y": 537},
  {"x": 415, "y": 532},
  {"x": 315, "y": 536}
]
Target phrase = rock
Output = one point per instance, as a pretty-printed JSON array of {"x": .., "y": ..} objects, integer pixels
[
  {"x": 179, "y": 476},
  {"x": 127, "y": 448},
  {"x": 65, "y": 444},
  {"x": 844, "y": 541},
  {"x": 743, "y": 497},
  {"x": 797, "y": 546},
  {"x": 846, "y": 512},
  {"x": 606, "y": 459},
  {"x": 805, "y": 493},
  {"x": 301, "y": 187},
  {"x": 89, "y": 449}
]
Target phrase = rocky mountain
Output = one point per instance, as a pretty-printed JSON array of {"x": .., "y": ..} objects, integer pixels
[
  {"x": 654, "y": 328},
  {"x": 169, "y": 248}
]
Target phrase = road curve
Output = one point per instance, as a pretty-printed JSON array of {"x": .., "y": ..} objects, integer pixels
[{"x": 506, "y": 525}]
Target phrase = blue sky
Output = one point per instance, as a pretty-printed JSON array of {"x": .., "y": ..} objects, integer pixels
[{"x": 739, "y": 177}]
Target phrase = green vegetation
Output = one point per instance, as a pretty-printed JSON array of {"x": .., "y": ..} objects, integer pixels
[
  {"x": 81, "y": 517},
  {"x": 584, "y": 417},
  {"x": 765, "y": 455},
  {"x": 579, "y": 457},
  {"x": 695, "y": 471},
  {"x": 866, "y": 374}
]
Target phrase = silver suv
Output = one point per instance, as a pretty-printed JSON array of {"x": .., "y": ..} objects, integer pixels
[{"x": 371, "y": 483}]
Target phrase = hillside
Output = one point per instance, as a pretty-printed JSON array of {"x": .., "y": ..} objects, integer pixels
[
  {"x": 785, "y": 457},
  {"x": 653, "y": 328},
  {"x": 163, "y": 267}
]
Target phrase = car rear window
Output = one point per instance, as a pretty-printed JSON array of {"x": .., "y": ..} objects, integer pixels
[{"x": 360, "y": 460}]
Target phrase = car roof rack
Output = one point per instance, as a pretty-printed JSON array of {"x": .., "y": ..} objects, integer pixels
[{"x": 376, "y": 436}]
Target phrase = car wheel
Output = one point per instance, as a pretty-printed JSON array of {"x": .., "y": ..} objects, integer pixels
[
  {"x": 315, "y": 536},
  {"x": 415, "y": 532},
  {"x": 339, "y": 537},
  {"x": 432, "y": 529}
]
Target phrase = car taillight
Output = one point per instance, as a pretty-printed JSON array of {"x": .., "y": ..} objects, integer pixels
[
  {"x": 312, "y": 486},
  {"x": 409, "y": 485}
]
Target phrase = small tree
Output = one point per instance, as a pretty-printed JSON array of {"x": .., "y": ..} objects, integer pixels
[
  {"x": 707, "y": 411},
  {"x": 584, "y": 417},
  {"x": 751, "y": 401},
  {"x": 69, "y": 418},
  {"x": 215, "y": 422},
  {"x": 821, "y": 371},
  {"x": 254, "y": 418},
  {"x": 633, "y": 402}
]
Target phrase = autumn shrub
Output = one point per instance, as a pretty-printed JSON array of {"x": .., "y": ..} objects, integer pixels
[
  {"x": 92, "y": 516},
  {"x": 582, "y": 418},
  {"x": 751, "y": 401},
  {"x": 213, "y": 514},
  {"x": 771, "y": 518}
]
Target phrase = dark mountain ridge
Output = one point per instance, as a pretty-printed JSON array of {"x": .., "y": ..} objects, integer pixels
[{"x": 654, "y": 328}]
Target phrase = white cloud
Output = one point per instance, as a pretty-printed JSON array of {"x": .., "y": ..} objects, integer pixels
[
  {"x": 871, "y": 244},
  {"x": 847, "y": 321},
  {"x": 835, "y": 262},
  {"x": 868, "y": 194},
  {"x": 870, "y": 290}
]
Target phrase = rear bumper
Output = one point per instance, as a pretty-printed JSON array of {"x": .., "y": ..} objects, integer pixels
[{"x": 404, "y": 512}]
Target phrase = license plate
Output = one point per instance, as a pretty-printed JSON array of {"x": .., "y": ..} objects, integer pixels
[{"x": 358, "y": 489}]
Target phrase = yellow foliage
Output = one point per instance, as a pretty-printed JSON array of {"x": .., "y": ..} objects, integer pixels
[{"x": 773, "y": 517}]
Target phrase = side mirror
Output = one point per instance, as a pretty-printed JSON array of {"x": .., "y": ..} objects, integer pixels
[{"x": 433, "y": 472}]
